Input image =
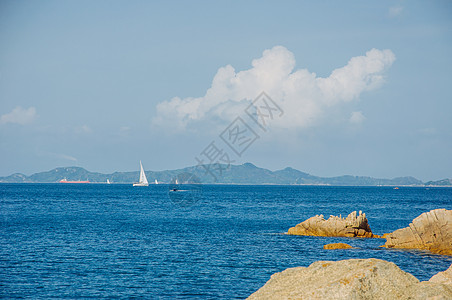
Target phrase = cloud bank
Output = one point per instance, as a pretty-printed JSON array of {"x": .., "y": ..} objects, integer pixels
[
  {"x": 19, "y": 116},
  {"x": 303, "y": 96}
]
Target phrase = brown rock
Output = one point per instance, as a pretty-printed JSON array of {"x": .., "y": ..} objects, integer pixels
[
  {"x": 350, "y": 279},
  {"x": 352, "y": 226},
  {"x": 337, "y": 246},
  {"x": 443, "y": 277},
  {"x": 430, "y": 231}
]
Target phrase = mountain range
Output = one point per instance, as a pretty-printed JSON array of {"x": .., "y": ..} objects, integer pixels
[{"x": 222, "y": 174}]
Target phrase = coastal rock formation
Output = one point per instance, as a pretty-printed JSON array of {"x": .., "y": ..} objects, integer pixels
[
  {"x": 430, "y": 231},
  {"x": 352, "y": 226},
  {"x": 443, "y": 277},
  {"x": 350, "y": 279},
  {"x": 337, "y": 246}
]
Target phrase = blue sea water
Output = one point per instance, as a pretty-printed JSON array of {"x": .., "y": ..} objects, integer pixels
[{"x": 116, "y": 241}]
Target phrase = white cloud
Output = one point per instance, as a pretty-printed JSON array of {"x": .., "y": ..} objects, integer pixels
[
  {"x": 19, "y": 116},
  {"x": 66, "y": 157},
  {"x": 84, "y": 129},
  {"x": 394, "y": 11},
  {"x": 357, "y": 117},
  {"x": 430, "y": 131},
  {"x": 303, "y": 96},
  {"x": 60, "y": 156},
  {"x": 124, "y": 131}
]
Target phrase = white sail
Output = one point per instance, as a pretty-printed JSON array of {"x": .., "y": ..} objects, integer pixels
[
  {"x": 143, "y": 180},
  {"x": 108, "y": 181},
  {"x": 156, "y": 182}
]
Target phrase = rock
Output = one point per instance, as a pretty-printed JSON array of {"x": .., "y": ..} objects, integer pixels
[
  {"x": 350, "y": 279},
  {"x": 443, "y": 277},
  {"x": 352, "y": 226},
  {"x": 430, "y": 231},
  {"x": 337, "y": 246}
]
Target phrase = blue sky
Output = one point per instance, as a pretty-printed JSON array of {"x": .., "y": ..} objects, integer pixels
[{"x": 365, "y": 87}]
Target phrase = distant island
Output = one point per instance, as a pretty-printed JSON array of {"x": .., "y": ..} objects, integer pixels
[{"x": 236, "y": 174}]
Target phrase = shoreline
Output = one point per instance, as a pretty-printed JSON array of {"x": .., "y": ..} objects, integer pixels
[{"x": 242, "y": 184}]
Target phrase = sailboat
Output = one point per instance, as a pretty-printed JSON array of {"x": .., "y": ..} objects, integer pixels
[
  {"x": 143, "y": 181},
  {"x": 156, "y": 182},
  {"x": 108, "y": 181}
]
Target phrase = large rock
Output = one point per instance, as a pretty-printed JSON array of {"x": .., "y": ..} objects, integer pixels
[
  {"x": 352, "y": 226},
  {"x": 430, "y": 231},
  {"x": 350, "y": 279},
  {"x": 443, "y": 277}
]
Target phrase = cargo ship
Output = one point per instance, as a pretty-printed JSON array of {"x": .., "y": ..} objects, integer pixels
[{"x": 73, "y": 181}]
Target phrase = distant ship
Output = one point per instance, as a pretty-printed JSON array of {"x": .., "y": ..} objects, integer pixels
[
  {"x": 64, "y": 180},
  {"x": 143, "y": 180},
  {"x": 156, "y": 182},
  {"x": 108, "y": 181}
]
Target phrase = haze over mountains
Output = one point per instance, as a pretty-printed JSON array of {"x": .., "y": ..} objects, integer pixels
[{"x": 236, "y": 174}]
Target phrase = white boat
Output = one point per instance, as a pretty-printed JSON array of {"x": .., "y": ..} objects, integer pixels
[
  {"x": 156, "y": 182},
  {"x": 108, "y": 181},
  {"x": 143, "y": 181}
]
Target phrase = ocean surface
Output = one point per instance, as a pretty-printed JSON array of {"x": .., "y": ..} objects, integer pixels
[{"x": 117, "y": 241}]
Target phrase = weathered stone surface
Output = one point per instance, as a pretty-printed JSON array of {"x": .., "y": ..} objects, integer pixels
[
  {"x": 350, "y": 279},
  {"x": 430, "y": 231},
  {"x": 337, "y": 246},
  {"x": 443, "y": 277},
  {"x": 352, "y": 226}
]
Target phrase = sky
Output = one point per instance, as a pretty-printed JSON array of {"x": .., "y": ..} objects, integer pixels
[{"x": 357, "y": 88}]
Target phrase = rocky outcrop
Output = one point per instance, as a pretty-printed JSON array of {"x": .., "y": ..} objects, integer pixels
[
  {"x": 350, "y": 279},
  {"x": 430, "y": 231},
  {"x": 352, "y": 226},
  {"x": 337, "y": 246},
  {"x": 443, "y": 277}
]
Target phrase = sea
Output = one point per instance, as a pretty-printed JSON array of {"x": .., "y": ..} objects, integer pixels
[{"x": 207, "y": 242}]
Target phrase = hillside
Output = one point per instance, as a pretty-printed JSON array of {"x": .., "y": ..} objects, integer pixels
[{"x": 236, "y": 174}]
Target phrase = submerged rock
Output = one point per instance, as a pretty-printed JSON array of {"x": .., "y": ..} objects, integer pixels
[
  {"x": 352, "y": 226},
  {"x": 430, "y": 231},
  {"x": 337, "y": 246},
  {"x": 350, "y": 279}
]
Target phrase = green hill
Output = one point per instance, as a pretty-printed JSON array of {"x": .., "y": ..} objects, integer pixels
[{"x": 236, "y": 174}]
